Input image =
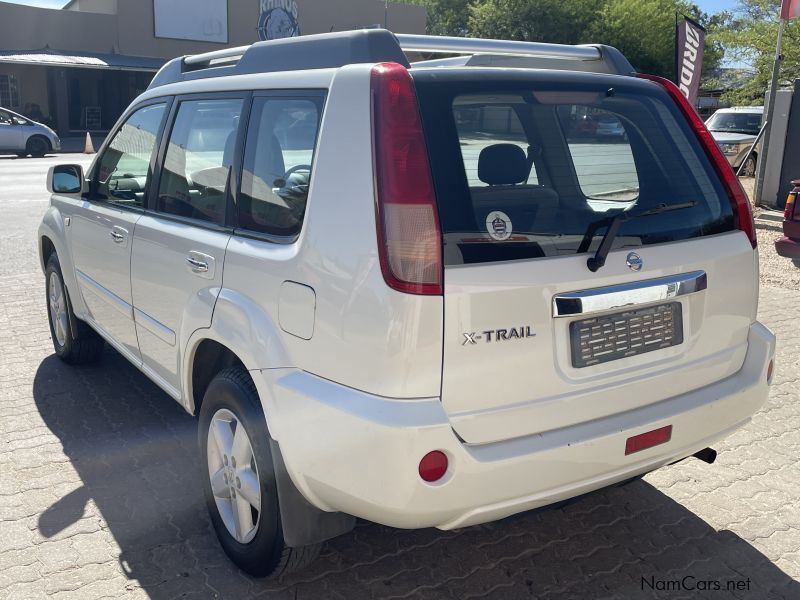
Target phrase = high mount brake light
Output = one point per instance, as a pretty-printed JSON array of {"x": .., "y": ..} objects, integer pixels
[
  {"x": 409, "y": 237},
  {"x": 738, "y": 198}
]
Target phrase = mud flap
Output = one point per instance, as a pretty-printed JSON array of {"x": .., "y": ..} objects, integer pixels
[{"x": 303, "y": 524}]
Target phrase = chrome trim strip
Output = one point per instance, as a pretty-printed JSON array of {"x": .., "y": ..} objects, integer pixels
[
  {"x": 162, "y": 332},
  {"x": 624, "y": 295},
  {"x": 98, "y": 290}
]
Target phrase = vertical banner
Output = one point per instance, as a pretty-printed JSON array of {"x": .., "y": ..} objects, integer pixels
[
  {"x": 689, "y": 47},
  {"x": 790, "y": 9}
]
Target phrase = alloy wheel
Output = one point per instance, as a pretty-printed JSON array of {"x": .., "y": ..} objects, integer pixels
[
  {"x": 234, "y": 476},
  {"x": 58, "y": 308}
]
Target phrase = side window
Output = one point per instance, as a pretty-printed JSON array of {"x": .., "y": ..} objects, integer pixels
[
  {"x": 194, "y": 178},
  {"x": 277, "y": 164},
  {"x": 601, "y": 154},
  {"x": 122, "y": 170},
  {"x": 5, "y": 118},
  {"x": 482, "y": 125}
]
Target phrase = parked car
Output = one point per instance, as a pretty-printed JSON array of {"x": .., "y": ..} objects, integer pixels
[
  {"x": 735, "y": 130},
  {"x": 610, "y": 128},
  {"x": 789, "y": 245},
  {"x": 21, "y": 136},
  {"x": 406, "y": 317}
]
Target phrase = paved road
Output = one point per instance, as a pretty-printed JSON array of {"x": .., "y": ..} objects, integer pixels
[{"x": 100, "y": 488}]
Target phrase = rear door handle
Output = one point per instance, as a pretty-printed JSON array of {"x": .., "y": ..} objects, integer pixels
[
  {"x": 198, "y": 266},
  {"x": 201, "y": 264},
  {"x": 118, "y": 234}
]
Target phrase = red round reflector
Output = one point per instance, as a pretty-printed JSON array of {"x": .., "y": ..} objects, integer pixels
[{"x": 433, "y": 466}]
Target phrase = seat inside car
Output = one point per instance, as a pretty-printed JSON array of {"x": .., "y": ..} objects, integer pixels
[{"x": 505, "y": 169}]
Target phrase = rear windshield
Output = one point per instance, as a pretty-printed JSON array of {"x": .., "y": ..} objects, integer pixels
[{"x": 526, "y": 169}]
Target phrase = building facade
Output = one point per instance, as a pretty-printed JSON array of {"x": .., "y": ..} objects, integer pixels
[{"x": 77, "y": 68}]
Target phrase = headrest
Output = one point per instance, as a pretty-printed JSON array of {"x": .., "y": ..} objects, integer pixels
[{"x": 502, "y": 164}]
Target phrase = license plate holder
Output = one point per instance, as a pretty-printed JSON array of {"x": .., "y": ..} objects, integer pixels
[{"x": 610, "y": 337}]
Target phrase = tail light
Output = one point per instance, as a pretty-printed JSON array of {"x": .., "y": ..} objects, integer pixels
[
  {"x": 409, "y": 237},
  {"x": 741, "y": 205},
  {"x": 788, "y": 210}
]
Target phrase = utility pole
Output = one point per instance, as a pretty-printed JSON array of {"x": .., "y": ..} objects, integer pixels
[{"x": 768, "y": 117}]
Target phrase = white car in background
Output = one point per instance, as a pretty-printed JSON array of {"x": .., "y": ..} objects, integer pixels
[
  {"x": 735, "y": 130},
  {"x": 21, "y": 136}
]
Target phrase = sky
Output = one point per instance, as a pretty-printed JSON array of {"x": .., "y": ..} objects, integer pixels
[{"x": 708, "y": 6}]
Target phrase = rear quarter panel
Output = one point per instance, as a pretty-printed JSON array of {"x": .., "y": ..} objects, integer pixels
[{"x": 365, "y": 335}]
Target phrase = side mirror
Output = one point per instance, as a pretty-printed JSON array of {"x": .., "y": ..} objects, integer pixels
[{"x": 66, "y": 179}]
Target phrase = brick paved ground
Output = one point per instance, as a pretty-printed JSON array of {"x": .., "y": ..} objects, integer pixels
[{"x": 100, "y": 488}]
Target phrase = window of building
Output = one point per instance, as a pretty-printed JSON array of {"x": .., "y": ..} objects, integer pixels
[
  {"x": 9, "y": 91},
  {"x": 277, "y": 164},
  {"x": 194, "y": 179},
  {"x": 122, "y": 173}
]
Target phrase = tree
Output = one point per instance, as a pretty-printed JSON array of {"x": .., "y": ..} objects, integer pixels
[
  {"x": 749, "y": 35},
  {"x": 644, "y": 30},
  {"x": 446, "y": 17},
  {"x": 557, "y": 21}
]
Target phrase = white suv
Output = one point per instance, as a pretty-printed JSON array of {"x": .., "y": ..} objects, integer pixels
[{"x": 424, "y": 295}]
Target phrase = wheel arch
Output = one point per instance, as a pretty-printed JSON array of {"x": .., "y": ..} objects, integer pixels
[
  {"x": 52, "y": 239},
  {"x": 241, "y": 332}
]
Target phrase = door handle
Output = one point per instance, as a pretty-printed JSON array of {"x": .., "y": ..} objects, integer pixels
[
  {"x": 198, "y": 266},
  {"x": 117, "y": 236}
]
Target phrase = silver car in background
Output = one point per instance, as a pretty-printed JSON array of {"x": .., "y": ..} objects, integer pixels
[
  {"x": 21, "y": 136},
  {"x": 734, "y": 130}
]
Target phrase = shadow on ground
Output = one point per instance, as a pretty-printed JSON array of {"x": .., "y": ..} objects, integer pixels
[{"x": 135, "y": 450}]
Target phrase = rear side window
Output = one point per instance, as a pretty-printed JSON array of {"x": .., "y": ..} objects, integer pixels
[
  {"x": 278, "y": 158},
  {"x": 566, "y": 156},
  {"x": 194, "y": 177}
]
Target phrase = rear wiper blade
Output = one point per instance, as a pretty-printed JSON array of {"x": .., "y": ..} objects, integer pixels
[{"x": 613, "y": 224}]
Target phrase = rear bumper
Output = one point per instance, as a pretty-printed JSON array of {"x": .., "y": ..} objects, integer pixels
[
  {"x": 787, "y": 247},
  {"x": 358, "y": 454}
]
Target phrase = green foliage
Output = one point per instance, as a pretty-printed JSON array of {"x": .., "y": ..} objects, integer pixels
[
  {"x": 446, "y": 17},
  {"x": 644, "y": 30},
  {"x": 749, "y": 36},
  {"x": 560, "y": 21}
]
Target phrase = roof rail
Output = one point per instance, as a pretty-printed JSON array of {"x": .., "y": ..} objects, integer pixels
[
  {"x": 322, "y": 51},
  {"x": 330, "y": 50},
  {"x": 504, "y": 53},
  {"x": 460, "y": 45}
]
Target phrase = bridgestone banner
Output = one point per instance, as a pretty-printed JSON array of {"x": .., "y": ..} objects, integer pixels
[{"x": 689, "y": 60}]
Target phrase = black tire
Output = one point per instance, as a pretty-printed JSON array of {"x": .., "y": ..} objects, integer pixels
[
  {"x": 79, "y": 344},
  {"x": 749, "y": 169},
  {"x": 37, "y": 146},
  {"x": 266, "y": 555},
  {"x": 796, "y": 262}
]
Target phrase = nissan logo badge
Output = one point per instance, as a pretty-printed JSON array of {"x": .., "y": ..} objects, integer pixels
[{"x": 634, "y": 262}]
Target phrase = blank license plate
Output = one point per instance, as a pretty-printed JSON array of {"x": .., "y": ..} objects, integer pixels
[{"x": 611, "y": 337}]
